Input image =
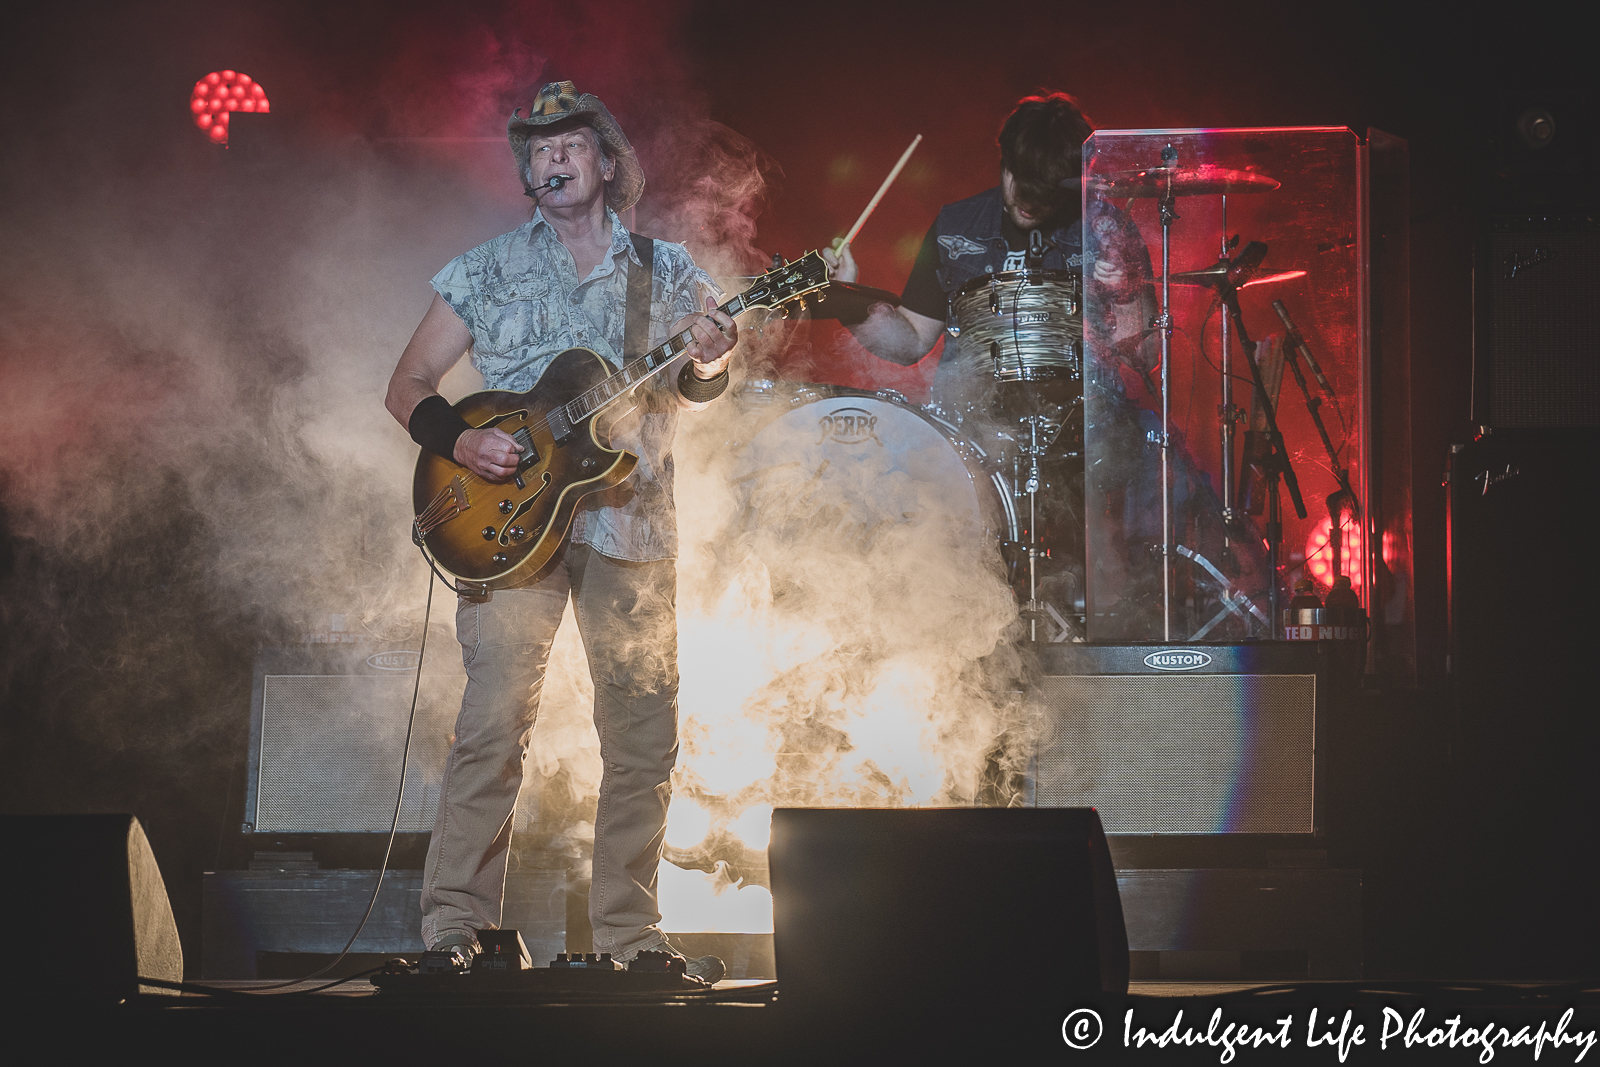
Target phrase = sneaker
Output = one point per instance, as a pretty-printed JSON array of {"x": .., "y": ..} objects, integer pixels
[
  {"x": 709, "y": 969},
  {"x": 455, "y": 950}
]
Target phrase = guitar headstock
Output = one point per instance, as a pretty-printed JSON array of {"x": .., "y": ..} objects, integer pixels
[{"x": 789, "y": 282}]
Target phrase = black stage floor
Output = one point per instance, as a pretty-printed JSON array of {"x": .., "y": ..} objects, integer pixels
[{"x": 1155, "y": 1022}]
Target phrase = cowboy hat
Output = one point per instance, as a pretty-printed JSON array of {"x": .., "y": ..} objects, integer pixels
[{"x": 560, "y": 102}]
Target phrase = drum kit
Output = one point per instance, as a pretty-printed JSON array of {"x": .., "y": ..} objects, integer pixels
[{"x": 1014, "y": 463}]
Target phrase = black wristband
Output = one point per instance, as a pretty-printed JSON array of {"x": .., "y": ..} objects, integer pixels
[
  {"x": 698, "y": 391},
  {"x": 435, "y": 426}
]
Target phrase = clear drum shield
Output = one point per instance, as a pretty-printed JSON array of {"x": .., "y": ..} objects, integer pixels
[{"x": 1197, "y": 426}]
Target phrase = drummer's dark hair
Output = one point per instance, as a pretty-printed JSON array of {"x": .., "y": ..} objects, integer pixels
[{"x": 1041, "y": 144}]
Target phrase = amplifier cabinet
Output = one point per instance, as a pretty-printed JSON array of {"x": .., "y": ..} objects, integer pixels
[
  {"x": 1183, "y": 739},
  {"x": 327, "y": 728},
  {"x": 1536, "y": 355}
]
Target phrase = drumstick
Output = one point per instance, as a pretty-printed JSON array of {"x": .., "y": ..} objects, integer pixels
[{"x": 884, "y": 188}]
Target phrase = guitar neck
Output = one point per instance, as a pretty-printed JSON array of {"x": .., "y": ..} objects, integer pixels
[{"x": 619, "y": 384}]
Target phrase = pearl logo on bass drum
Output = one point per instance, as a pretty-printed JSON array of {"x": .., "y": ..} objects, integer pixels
[
  {"x": 848, "y": 426},
  {"x": 1177, "y": 659}
]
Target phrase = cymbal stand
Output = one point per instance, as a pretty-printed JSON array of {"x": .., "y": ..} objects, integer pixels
[
  {"x": 1169, "y": 215},
  {"x": 1229, "y": 414},
  {"x": 1277, "y": 462},
  {"x": 1033, "y": 611}
]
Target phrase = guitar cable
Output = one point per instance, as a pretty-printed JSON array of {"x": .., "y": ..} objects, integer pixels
[{"x": 383, "y": 868}]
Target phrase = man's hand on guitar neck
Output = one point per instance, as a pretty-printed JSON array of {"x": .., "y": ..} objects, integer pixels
[
  {"x": 490, "y": 454},
  {"x": 714, "y": 332}
]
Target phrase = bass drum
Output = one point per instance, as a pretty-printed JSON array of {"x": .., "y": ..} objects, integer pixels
[{"x": 865, "y": 491}]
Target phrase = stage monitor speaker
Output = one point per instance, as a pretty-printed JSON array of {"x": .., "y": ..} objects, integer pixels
[
  {"x": 965, "y": 909},
  {"x": 92, "y": 882},
  {"x": 1187, "y": 739},
  {"x": 1536, "y": 352},
  {"x": 327, "y": 727}
]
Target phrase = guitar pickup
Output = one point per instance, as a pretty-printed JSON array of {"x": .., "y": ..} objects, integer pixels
[
  {"x": 560, "y": 426},
  {"x": 530, "y": 454}
]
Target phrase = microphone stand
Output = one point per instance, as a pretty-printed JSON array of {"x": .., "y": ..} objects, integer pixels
[
  {"x": 1345, "y": 498},
  {"x": 1276, "y": 464}
]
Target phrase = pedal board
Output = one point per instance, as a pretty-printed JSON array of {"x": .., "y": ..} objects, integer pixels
[{"x": 503, "y": 970}]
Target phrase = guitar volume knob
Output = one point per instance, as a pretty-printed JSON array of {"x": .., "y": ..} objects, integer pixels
[
  {"x": 489, "y": 533},
  {"x": 516, "y": 533},
  {"x": 499, "y": 557},
  {"x": 506, "y": 507}
]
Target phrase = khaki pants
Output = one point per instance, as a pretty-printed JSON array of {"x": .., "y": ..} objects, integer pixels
[{"x": 627, "y": 616}]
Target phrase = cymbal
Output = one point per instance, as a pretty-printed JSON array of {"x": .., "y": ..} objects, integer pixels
[
  {"x": 847, "y": 302},
  {"x": 1203, "y": 180},
  {"x": 1207, "y": 278}
]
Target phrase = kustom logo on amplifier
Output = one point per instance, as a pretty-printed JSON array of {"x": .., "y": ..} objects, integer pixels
[{"x": 1177, "y": 659}]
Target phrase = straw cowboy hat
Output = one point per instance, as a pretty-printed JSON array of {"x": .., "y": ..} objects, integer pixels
[{"x": 561, "y": 101}]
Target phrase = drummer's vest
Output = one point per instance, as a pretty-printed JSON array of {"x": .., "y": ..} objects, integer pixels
[{"x": 971, "y": 245}]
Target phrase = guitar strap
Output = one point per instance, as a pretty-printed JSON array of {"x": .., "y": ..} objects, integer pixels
[
  {"x": 635, "y": 342},
  {"x": 636, "y": 327}
]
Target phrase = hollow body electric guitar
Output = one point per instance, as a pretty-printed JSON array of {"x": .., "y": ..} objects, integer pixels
[{"x": 494, "y": 535}]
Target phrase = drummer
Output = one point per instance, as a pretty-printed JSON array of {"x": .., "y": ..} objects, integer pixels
[{"x": 1032, "y": 219}]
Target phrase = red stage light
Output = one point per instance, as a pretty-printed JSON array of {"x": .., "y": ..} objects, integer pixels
[
  {"x": 1319, "y": 553},
  {"x": 223, "y": 91}
]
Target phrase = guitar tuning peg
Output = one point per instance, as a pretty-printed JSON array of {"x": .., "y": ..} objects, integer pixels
[{"x": 778, "y": 260}]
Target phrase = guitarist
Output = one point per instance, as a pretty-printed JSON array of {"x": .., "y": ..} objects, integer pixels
[{"x": 562, "y": 281}]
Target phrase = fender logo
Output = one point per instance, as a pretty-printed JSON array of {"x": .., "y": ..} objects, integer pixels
[
  {"x": 1490, "y": 478},
  {"x": 1516, "y": 262}
]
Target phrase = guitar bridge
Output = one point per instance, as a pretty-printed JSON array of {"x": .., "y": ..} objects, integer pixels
[{"x": 451, "y": 501}]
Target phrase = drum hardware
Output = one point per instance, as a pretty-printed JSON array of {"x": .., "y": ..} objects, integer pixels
[
  {"x": 1236, "y": 272},
  {"x": 1165, "y": 183},
  {"x": 1028, "y": 322},
  {"x": 1037, "y": 445},
  {"x": 756, "y": 391},
  {"x": 1167, "y": 193},
  {"x": 1231, "y": 600},
  {"x": 1275, "y": 464}
]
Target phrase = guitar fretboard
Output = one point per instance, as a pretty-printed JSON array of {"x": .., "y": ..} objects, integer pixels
[{"x": 613, "y": 388}]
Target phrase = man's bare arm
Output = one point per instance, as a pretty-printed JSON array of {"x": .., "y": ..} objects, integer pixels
[
  {"x": 893, "y": 334},
  {"x": 896, "y": 334},
  {"x": 439, "y": 343}
]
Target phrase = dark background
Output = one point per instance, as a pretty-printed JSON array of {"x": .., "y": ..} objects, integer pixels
[{"x": 124, "y": 673}]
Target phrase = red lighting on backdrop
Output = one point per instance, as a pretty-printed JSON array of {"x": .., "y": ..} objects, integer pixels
[
  {"x": 220, "y": 92},
  {"x": 1319, "y": 553}
]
